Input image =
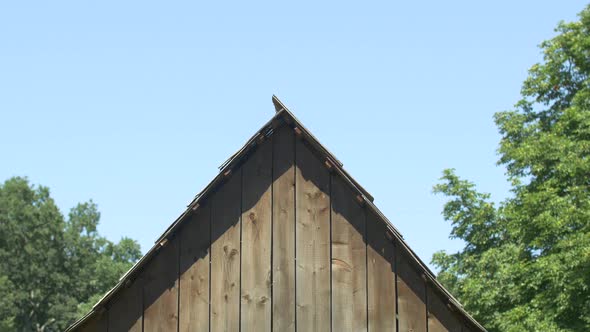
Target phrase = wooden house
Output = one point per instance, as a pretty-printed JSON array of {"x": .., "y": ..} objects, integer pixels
[{"x": 283, "y": 239}]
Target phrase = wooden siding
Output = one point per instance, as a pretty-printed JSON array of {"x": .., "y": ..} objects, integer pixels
[
  {"x": 312, "y": 275},
  {"x": 283, "y": 244},
  {"x": 283, "y": 290},
  {"x": 160, "y": 291},
  {"x": 256, "y": 241},
  {"x": 125, "y": 312},
  {"x": 440, "y": 317},
  {"x": 225, "y": 256},
  {"x": 195, "y": 241},
  {"x": 381, "y": 277},
  {"x": 349, "y": 260},
  {"x": 411, "y": 296}
]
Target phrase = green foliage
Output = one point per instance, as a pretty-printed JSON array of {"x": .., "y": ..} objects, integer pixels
[
  {"x": 49, "y": 265},
  {"x": 526, "y": 263}
]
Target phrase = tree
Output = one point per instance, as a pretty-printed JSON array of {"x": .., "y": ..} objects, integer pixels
[
  {"x": 51, "y": 268},
  {"x": 526, "y": 261}
]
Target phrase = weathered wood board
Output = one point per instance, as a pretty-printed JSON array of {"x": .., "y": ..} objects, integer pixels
[
  {"x": 313, "y": 241},
  {"x": 256, "y": 240},
  {"x": 440, "y": 317},
  {"x": 160, "y": 291},
  {"x": 381, "y": 276},
  {"x": 283, "y": 312},
  {"x": 125, "y": 311},
  {"x": 349, "y": 264},
  {"x": 411, "y": 294},
  {"x": 225, "y": 256},
  {"x": 195, "y": 237}
]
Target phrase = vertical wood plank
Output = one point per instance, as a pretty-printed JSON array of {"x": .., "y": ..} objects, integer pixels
[
  {"x": 126, "y": 309},
  {"x": 440, "y": 317},
  {"x": 225, "y": 256},
  {"x": 283, "y": 312},
  {"x": 194, "y": 271},
  {"x": 410, "y": 293},
  {"x": 313, "y": 242},
  {"x": 161, "y": 290},
  {"x": 349, "y": 283},
  {"x": 381, "y": 276},
  {"x": 256, "y": 240}
]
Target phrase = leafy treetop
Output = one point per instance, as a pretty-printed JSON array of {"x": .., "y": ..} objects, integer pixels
[
  {"x": 526, "y": 261},
  {"x": 52, "y": 269}
]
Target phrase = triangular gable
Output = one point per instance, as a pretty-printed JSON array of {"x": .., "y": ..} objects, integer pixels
[{"x": 282, "y": 117}]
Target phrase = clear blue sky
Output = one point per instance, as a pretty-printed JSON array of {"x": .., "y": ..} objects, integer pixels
[{"x": 134, "y": 104}]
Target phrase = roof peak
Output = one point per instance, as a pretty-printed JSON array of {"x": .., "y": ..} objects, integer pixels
[{"x": 279, "y": 106}]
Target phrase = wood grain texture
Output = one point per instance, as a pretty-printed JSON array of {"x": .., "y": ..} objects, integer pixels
[
  {"x": 410, "y": 296},
  {"x": 380, "y": 277},
  {"x": 225, "y": 256},
  {"x": 283, "y": 311},
  {"x": 349, "y": 283},
  {"x": 440, "y": 317},
  {"x": 161, "y": 290},
  {"x": 313, "y": 242},
  {"x": 126, "y": 309},
  {"x": 194, "y": 271},
  {"x": 256, "y": 240}
]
